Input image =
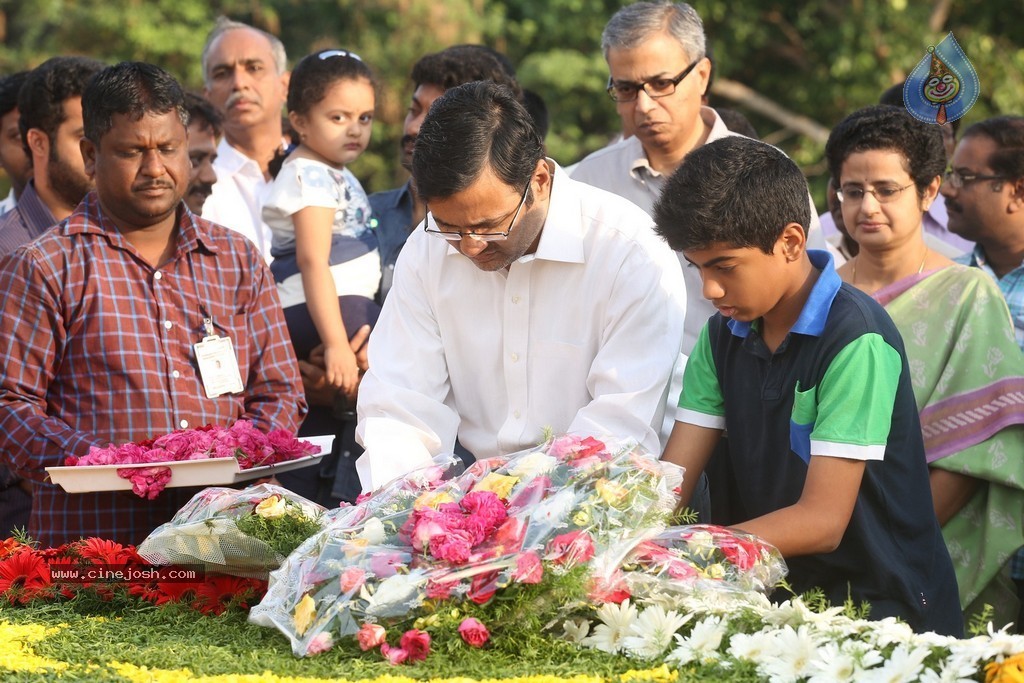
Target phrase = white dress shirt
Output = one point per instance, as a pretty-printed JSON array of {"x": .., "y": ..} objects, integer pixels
[
  {"x": 237, "y": 198},
  {"x": 8, "y": 202},
  {"x": 580, "y": 337}
]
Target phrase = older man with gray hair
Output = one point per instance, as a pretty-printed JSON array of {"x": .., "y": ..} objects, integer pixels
[{"x": 246, "y": 76}]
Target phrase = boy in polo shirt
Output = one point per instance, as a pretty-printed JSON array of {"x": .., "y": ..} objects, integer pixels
[{"x": 825, "y": 458}]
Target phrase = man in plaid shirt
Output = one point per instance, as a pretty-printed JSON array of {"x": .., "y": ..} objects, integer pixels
[{"x": 98, "y": 317}]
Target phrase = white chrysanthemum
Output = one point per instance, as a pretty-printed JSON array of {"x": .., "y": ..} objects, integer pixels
[
  {"x": 795, "y": 612},
  {"x": 702, "y": 644},
  {"x": 794, "y": 653},
  {"x": 976, "y": 649},
  {"x": 1003, "y": 642},
  {"x": 616, "y": 620},
  {"x": 952, "y": 671},
  {"x": 651, "y": 634},
  {"x": 532, "y": 464},
  {"x": 833, "y": 665},
  {"x": 576, "y": 630},
  {"x": 889, "y": 631},
  {"x": 753, "y": 647},
  {"x": 904, "y": 664}
]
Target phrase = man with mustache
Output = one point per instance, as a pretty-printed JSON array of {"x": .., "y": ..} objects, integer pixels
[
  {"x": 50, "y": 107},
  {"x": 104, "y": 315},
  {"x": 399, "y": 211},
  {"x": 14, "y": 159},
  {"x": 205, "y": 127},
  {"x": 247, "y": 81}
]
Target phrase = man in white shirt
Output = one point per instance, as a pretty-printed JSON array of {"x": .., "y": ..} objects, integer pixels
[
  {"x": 247, "y": 81},
  {"x": 528, "y": 301},
  {"x": 659, "y": 73}
]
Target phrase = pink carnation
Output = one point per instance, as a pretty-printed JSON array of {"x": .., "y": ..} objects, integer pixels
[
  {"x": 287, "y": 447},
  {"x": 473, "y": 632},
  {"x": 486, "y": 505},
  {"x": 370, "y": 636},
  {"x": 416, "y": 643},
  {"x": 147, "y": 482},
  {"x": 440, "y": 590},
  {"x": 528, "y": 568},
  {"x": 454, "y": 547},
  {"x": 570, "y": 549}
]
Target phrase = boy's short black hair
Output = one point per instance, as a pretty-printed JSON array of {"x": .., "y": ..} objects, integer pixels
[
  {"x": 733, "y": 191},
  {"x": 884, "y": 127}
]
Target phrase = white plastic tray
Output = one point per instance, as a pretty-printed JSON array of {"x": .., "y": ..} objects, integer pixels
[{"x": 209, "y": 472}]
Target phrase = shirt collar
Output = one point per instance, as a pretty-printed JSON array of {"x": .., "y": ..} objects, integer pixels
[
  {"x": 89, "y": 219},
  {"x": 34, "y": 212},
  {"x": 232, "y": 160},
  {"x": 816, "y": 309},
  {"x": 640, "y": 166}
]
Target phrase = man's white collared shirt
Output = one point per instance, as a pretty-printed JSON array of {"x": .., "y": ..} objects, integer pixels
[{"x": 237, "y": 198}]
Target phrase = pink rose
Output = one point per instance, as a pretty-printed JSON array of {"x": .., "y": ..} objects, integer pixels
[
  {"x": 147, "y": 482},
  {"x": 570, "y": 549},
  {"x": 321, "y": 642},
  {"x": 287, "y": 447},
  {"x": 394, "y": 655},
  {"x": 440, "y": 590},
  {"x": 416, "y": 643},
  {"x": 352, "y": 578},
  {"x": 473, "y": 632},
  {"x": 528, "y": 568},
  {"x": 428, "y": 525},
  {"x": 371, "y": 636}
]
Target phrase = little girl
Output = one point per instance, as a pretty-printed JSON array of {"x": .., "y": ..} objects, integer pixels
[{"x": 325, "y": 254}]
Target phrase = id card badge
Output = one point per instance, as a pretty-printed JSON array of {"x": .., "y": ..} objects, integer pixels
[{"x": 218, "y": 366}]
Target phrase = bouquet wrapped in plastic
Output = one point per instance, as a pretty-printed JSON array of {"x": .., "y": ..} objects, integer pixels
[
  {"x": 504, "y": 520},
  {"x": 686, "y": 559},
  {"x": 244, "y": 532}
]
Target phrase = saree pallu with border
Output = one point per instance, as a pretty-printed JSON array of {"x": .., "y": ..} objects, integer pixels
[{"x": 968, "y": 377}]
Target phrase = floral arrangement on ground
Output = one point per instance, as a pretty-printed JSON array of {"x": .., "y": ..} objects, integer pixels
[{"x": 560, "y": 561}]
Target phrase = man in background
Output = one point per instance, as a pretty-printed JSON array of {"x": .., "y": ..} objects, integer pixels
[
  {"x": 245, "y": 71},
  {"x": 205, "y": 128},
  {"x": 13, "y": 158}
]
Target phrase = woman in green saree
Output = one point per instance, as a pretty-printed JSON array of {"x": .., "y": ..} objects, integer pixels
[{"x": 966, "y": 368}]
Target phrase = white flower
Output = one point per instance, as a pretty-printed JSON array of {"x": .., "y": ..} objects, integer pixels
[
  {"x": 373, "y": 531},
  {"x": 794, "y": 653},
  {"x": 616, "y": 620},
  {"x": 532, "y": 464},
  {"x": 754, "y": 647},
  {"x": 951, "y": 671},
  {"x": 889, "y": 631},
  {"x": 395, "y": 596},
  {"x": 576, "y": 630},
  {"x": 833, "y": 665},
  {"x": 904, "y": 664},
  {"x": 652, "y": 632},
  {"x": 794, "y": 612},
  {"x": 702, "y": 644}
]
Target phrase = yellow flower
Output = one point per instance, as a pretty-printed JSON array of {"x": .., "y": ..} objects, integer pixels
[
  {"x": 498, "y": 484},
  {"x": 613, "y": 493},
  {"x": 661, "y": 674},
  {"x": 1010, "y": 670},
  {"x": 273, "y": 507},
  {"x": 17, "y": 653},
  {"x": 305, "y": 612},
  {"x": 432, "y": 500},
  {"x": 582, "y": 517},
  {"x": 714, "y": 571}
]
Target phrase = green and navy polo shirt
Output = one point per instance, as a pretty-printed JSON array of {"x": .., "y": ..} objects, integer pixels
[{"x": 837, "y": 386}]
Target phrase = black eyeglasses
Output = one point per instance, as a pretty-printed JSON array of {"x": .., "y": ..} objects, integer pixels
[
  {"x": 624, "y": 91},
  {"x": 456, "y": 235},
  {"x": 958, "y": 179},
  {"x": 327, "y": 54}
]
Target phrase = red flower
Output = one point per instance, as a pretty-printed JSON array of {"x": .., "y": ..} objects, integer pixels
[
  {"x": 394, "y": 655},
  {"x": 575, "y": 547},
  {"x": 416, "y": 643},
  {"x": 101, "y": 551},
  {"x": 24, "y": 576},
  {"x": 9, "y": 547},
  {"x": 473, "y": 632},
  {"x": 609, "y": 588},
  {"x": 440, "y": 590},
  {"x": 483, "y": 587},
  {"x": 528, "y": 568},
  {"x": 743, "y": 554},
  {"x": 221, "y": 591}
]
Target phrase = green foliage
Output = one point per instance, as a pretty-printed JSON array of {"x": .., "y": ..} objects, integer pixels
[
  {"x": 979, "y": 622},
  {"x": 284, "y": 534}
]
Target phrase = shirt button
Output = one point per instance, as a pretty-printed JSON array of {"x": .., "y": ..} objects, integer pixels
[
  {"x": 515, "y": 357},
  {"x": 157, "y": 275},
  {"x": 516, "y": 414},
  {"x": 515, "y": 299},
  {"x": 168, "y": 324},
  {"x": 175, "y": 374},
  {"x": 183, "y": 424}
]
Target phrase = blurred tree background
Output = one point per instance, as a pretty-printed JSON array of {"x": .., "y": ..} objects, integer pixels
[{"x": 794, "y": 68}]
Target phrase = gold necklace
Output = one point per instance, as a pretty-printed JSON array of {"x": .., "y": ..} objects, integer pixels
[{"x": 853, "y": 276}]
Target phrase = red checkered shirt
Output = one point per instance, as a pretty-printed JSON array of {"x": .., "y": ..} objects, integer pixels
[{"x": 96, "y": 348}]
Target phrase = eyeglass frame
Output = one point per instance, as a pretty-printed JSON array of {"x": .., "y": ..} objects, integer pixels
[
  {"x": 479, "y": 237},
  {"x": 898, "y": 192},
  {"x": 642, "y": 85},
  {"x": 958, "y": 180}
]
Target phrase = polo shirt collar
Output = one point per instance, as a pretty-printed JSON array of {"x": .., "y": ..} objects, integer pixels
[
  {"x": 640, "y": 166},
  {"x": 816, "y": 309}
]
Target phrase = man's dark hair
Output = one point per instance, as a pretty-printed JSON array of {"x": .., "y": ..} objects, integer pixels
[
  {"x": 313, "y": 76},
  {"x": 464, "y": 64},
  {"x": 893, "y": 96},
  {"x": 42, "y": 95},
  {"x": 202, "y": 112},
  {"x": 1008, "y": 134},
  {"x": 734, "y": 191},
  {"x": 132, "y": 89},
  {"x": 737, "y": 122},
  {"x": 9, "y": 88},
  {"x": 538, "y": 110},
  {"x": 884, "y": 127},
  {"x": 469, "y": 126}
]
